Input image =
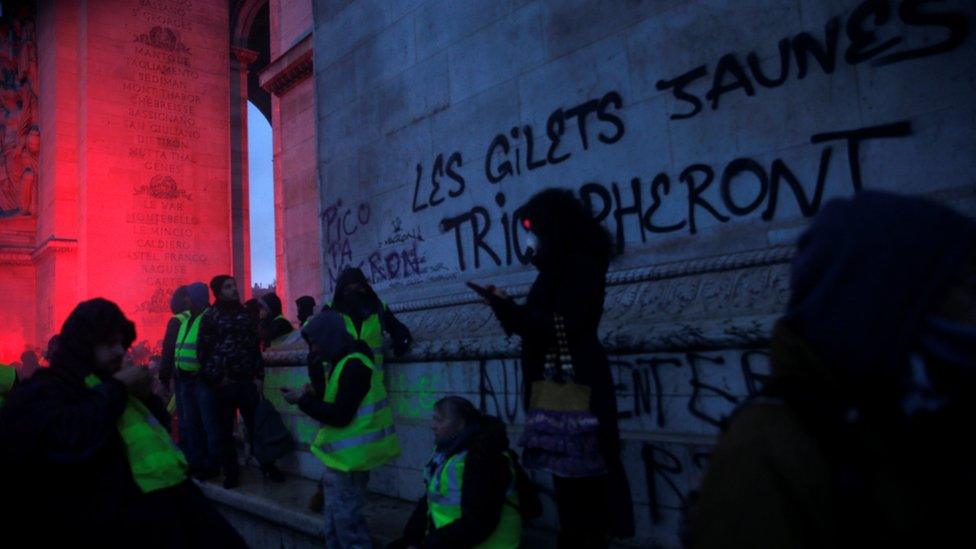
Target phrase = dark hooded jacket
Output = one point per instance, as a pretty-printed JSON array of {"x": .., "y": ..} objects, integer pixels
[
  {"x": 360, "y": 306},
  {"x": 830, "y": 455},
  {"x": 66, "y": 462},
  {"x": 306, "y": 308},
  {"x": 327, "y": 332},
  {"x": 274, "y": 325},
  {"x": 168, "y": 358},
  {"x": 486, "y": 480},
  {"x": 573, "y": 261},
  {"x": 198, "y": 296}
]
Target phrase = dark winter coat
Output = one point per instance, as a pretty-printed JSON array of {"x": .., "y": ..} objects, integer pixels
[
  {"x": 575, "y": 287},
  {"x": 68, "y": 479},
  {"x": 486, "y": 480},
  {"x": 228, "y": 347},
  {"x": 272, "y": 327},
  {"x": 167, "y": 361},
  {"x": 332, "y": 342},
  {"x": 360, "y": 307},
  {"x": 833, "y": 455}
]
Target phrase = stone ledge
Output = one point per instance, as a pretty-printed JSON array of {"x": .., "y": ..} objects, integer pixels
[
  {"x": 265, "y": 508},
  {"x": 268, "y": 514}
]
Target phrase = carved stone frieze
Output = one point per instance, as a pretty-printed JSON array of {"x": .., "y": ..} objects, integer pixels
[{"x": 729, "y": 301}]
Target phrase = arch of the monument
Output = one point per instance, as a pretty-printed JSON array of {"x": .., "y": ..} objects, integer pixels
[{"x": 125, "y": 157}]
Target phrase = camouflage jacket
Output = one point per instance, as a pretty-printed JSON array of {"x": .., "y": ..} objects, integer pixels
[{"x": 228, "y": 346}]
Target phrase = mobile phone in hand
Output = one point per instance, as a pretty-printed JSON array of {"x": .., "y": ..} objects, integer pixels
[{"x": 481, "y": 290}]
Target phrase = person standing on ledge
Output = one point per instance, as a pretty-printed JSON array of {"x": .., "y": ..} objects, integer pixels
[
  {"x": 572, "y": 253},
  {"x": 357, "y": 433},
  {"x": 195, "y": 400},
  {"x": 366, "y": 317},
  {"x": 230, "y": 356}
]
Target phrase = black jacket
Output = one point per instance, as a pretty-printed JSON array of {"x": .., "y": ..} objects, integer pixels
[
  {"x": 486, "y": 480},
  {"x": 272, "y": 327},
  {"x": 228, "y": 346},
  {"x": 65, "y": 459},
  {"x": 167, "y": 362},
  {"x": 327, "y": 332},
  {"x": 574, "y": 287},
  {"x": 353, "y": 388},
  {"x": 360, "y": 307}
]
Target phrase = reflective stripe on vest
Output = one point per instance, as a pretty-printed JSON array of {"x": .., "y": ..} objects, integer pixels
[
  {"x": 186, "y": 344},
  {"x": 370, "y": 332},
  {"x": 8, "y": 375},
  {"x": 444, "y": 491},
  {"x": 154, "y": 459},
  {"x": 370, "y": 439}
]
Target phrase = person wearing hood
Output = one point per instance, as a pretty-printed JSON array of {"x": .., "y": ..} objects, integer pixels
[
  {"x": 471, "y": 498},
  {"x": 229, "y": 352},
  {"x": 195, "y": 399},
  {"x": 273, "y": 327},
  {"x": 179, "y": 306},
  {"x": 857, "y": 438},
  {"x": 93, "y": 458},
  {"x": 366, "y": 316},
  {"x": 357, "y": 433},
  {"x": 306, "y": 308},
  {"x": 572, "y": 253}
]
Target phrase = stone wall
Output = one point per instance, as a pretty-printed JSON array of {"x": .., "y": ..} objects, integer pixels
[{"x": 705, "y": 135}]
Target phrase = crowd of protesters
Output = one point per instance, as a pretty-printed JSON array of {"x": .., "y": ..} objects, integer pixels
[{"x": 854, "y": 439}]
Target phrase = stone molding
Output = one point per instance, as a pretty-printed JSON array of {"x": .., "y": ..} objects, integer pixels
[
  {"x": 15, "y": 256},
  {"x": 717, "y": 302},
  {"x": 244, "y": 56},
  {"x": 289, "y": 69},
  {"x": 54, "y": 246}
]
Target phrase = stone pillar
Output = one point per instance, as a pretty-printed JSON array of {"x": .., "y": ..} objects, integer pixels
[
  {"x": 241, "y": 58},
  {"x": 297, "y": 239},
  {"x": 135, "y": 179}
]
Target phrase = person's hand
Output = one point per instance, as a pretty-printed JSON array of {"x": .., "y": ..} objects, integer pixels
[
  {"x": 136, "y": 380},
  {"x": 495, "y": 293},
  {"x": 499, "y": 293}
]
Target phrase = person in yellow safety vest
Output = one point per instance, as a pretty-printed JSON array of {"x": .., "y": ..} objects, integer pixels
[
  {"x": 273, "y": 327},
  {"x": 195, "y": 400},
  {"x": 93, "y": 459},
  {"x": 179, "y": 306},
  {"x": 471, "y": 498},
  {"x": 8, "y": 378},
  {"x": 365, "y": 317},
  {"x": 357, "y": 433}
]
